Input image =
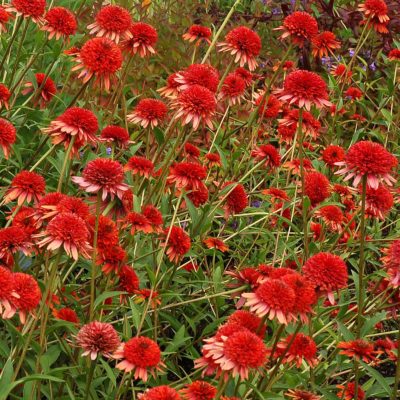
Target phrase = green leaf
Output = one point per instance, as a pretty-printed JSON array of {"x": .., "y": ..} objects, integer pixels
[{"x": 379, "y": 378}]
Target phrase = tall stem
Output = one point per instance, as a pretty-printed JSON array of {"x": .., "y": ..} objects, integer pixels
[
  {"x": 64, "y": 166},
  {"x": 11, "y": 41}
]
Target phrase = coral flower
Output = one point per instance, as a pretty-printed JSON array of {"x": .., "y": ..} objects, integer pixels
[
  {"x": 160, "y": 393},
  {"x": 249, "y": 321},
  {"x": 213, "y": 160},
  {"x": 67, "y": 204},
  {"x": 140, "y": 355},
  {"x": 140, "y": 166},
  {"x": 154, "y": 216},
  {"x": 103, "y": 175},
  {"x": 107, "y": 233},
  {"x": 359, "y": 349},
  {"x": 267, "y": 108},
  {"x": 112, "y": 259},
  {"x": 4, "y": 95},
  {"x": 378, "y": 202},
  {"x": 142, "y": 40},
  {"x": 394, "y": 55},
  {"x": 370, "y": 160},
  {"x": 198, "y": 74},
  {"x": 316, "y": 187},
  {"x": 195, "y": 105},
  {"x": 148, "y": 112},
  {"x": 214, "y": 243},
  {"x": 297, "y": 394},
  {"x": 273, "y": 298},
  {"x": 233, "y": 89},
  {"x": 244, "y": 44},
  {"x": 177, "y": 243},
  {"x": 97, "y": 338},
  {"x": 59, "y": 22},
  {"x": 128, "y": 279},
  {"x": 353, "y": 93},
  {"x": 348, "y": 392},
  {"x": 391, "y": 262},
  {"x": 324, "y": 43},
  {"x": 300, "y": 27},
  {"x": 333, "y": 154},
  {"x": 100, "y": 58},
  {"x": 138, "y": 223},
  {"x": 247, "y": 76},
  {"x": 376, "y": 13},
  {"x": 192, "y": 152},
  {"x": 267, "y": 153},
  {"x": 198, "y": 33},
  {"x": 332, "y": 216},
  {"x": 6, "y": 292},
  {"x": 26, "y": 186},
  {"x": 75, "y": 122},
  {"x": 112, "y": 22},
  {"x": 4, "y": 18},
  {"x": 171, "y": 89},
  {"x": 298, "y": 349},
  {"x": 66, "y": 314},
  {"x": 236, "y": 199},
  {"x": 69, "y": 231},
  {"x": 327, "y": 272},
  {"x": 186, "y": 175},
  {"x": 8, "y": 135},
  {"x": 304, "y": 89},
  {"x": 198, "y": 390},
  {"x": 310, "y": 125},
  {"x": 45, "y": 87},
  {"x": 116, "y": 135},
  {"x": 28, "y": 8},
  {"x": 342, "y": 74}
]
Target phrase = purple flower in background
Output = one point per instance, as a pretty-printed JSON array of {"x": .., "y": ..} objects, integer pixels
[
  {"x": 108, "y": 151},
  {"x": 326, "y": 61},
  {"x": 351, "y": 52},
  {"x": 256, "y": 203},
  {"x": 372, "y": 66}
]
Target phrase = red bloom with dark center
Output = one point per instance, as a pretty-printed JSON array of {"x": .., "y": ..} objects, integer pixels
[
  {"x": 28, "y": 8},
  {"x": 28, "y": 294},
  {"x": 141, "y": 355},
  {"x": 8, "y": 135},
  {"x": 199, "y": 33},
  {"x": 244, "y": 44},
  {"x": 115, "y": 134},
  {"x": 128, "y": 280},
  {"x": 104, "y": 175},
  {"x": 302, "y": 347},
  {"x": 101, "y": 58},
  {"x": 233, "y": 89},
  {"x": 195, "y": 105},
  {"x": 273, "y": 298},
  {"x": 198, "y": 74},
  {"x": 360, "y": 349},
  {"x": 268, "y": 153},
  {"x": 67, "y": 230},
  {"x": 316, "y": 187},
  {"x": 332, "y": 216},
  {"x": 4, "y": 93},
  {"x": 138, "y": 223},
  {"x": 148, "y": 112},
  {"x": 112, "y": 259},
  {"x": 333, "y": 154},
  {"x": 370, "y": 160},
  {"x": 73, "y": 205},
  {"x": 59, "y": 21},
  {"x": 186, "y": 174},
  {"x": 97, "y": 337},
  {"x": 324, "y": 43},
  {"x": 376, "y": 12},
  {"x": 353, "y": 93},
  {"x": 26, "y": 186},
  {"x": 236, "y": 199},
  {"x": 327, "y": 272},
  {"x": 247, "y": 76},
  {"x": 213, "y": 160},
  {"x": 140, "y": 166},
  {"x": 342, "y": 73},
  {"x": 378, "y": 202},
  {"x": 45, "y": 87},
  {"x": 348, "y": 392},
  {"x": 249, "y": 321},
  {"x": 160, "y": 393},
  {"x": 143, "y": 38},
  {"x": 198, "y": 390},
  {"x": 300, "y": 26},
  {"x": 66, "y": 314},
  {"x": 112, "y": 22},
  {"x": 304, "y": 89},
  {"x": 6, "y": 292},
  {"x": 154, "y": 216},
  {"x": 177, "y": 243},
  {"x": 192, "y": 152}
]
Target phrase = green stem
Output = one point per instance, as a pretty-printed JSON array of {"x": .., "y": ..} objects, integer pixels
[
  {"x": 66, "y": 161},
  {"x": 11, "y": 41}
]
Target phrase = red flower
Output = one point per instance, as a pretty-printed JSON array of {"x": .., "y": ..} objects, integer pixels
[
  {"x": 294, "y": 166},
  {"x": 391, "y": 262},
  {"x": 327, "y": 272},
  {"x": 235, "y": 199},
  {"x": 394, "y": 55},
  {"x": 199, "y": 33},
  {"x": 300, "y": 26},
  {"x": 115, "y": 134},
  {"x": 324, "y": 43},
  {"x": 247, "y": 76},
  {"x": 359, "y": 349},
  {"x": 68, "y": 204},
  {"x": 342, "y": 73},
  {"x": 316, "y": 187},
  {"x": 101, "y": 58},
  {"x": 67, "y": 230},
  {"x": 25, "y": 219},
  {"x": 171, "y": 89},
  {"x": 198, "y": 74},
  {"x": 249, "y": 321},
  {"x": 103, "y": 175},
  {"x": 198, "y": 390},
  {"x": 302, "y": 347},
  {"x": 28, "y": 8},
  {"x": 4, "y": 92},
  {"x": 310, "y": 125},
  {"x": 74, "y": 122},
  {"x": 26, "y": 186},
  {"x": 269, "y": 110},
  {"x": 148, "y": 112},
  {"x": 140, "y": 166},
  {"x": 213, "y": 160},
  {"x": 141, "y": 355},
  {"x": 112, "y": 258},
  {"x": 333, "y": 154},
  {"x": 348, "y": 392},
  {"x": 160, "y": 393},
  {"x": 97, "y": 337},
  {"x": 28, "y": 295},
  {"x": 4, "y": 17},
  {"x": 59, "y": 21},
  {"x": 353, "y": 93},
  {"x": 192, "y": 152},
  {"x": 378, "y": 202},
  {"x": 8, "y": 135},
  {"x": 66, "y": 314},
  {"x": 186, "y": 175},
  {"x": 143, "y": 38},
  {"x": 45, "y": 87},
  {"x": 297, "y": 394},
  {"x": 112, "y": 22},
  {"x": 214, "y": 243},
  {"x": 177, "y": 243},
  {"x": 332, "y": 216},
  {"x": 128, "y": 280},
  {"x": 154, "y": 216},
  {"x": 371, "y": 160},
  {"x": 376, "y": 12},
  {"x": 195, "y": 105},
  {"x": 304, "y": 89},
  {"x": 138, "y": 223},
  {"x": 233, "y": 89},
  {"x": 244, "y": 44},
  {"x": 268, "y": 153},
  {"x": 276, "y": 194},
  {"x": 107, "y": 231},
  {"x": 6, "y": 292}
]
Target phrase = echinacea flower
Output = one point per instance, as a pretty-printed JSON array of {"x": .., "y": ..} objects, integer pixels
[
  {"x": 198, "y": 33},
  {"x": 140, "y": 355},
  {"x": 332, "y": 216},
  {"x": 142, "y": 40},
  {"x": 107, "y": 232},
  {"x": 116, "y": 135},
  {"x": 103, "y": 175},
  {"x": 342, "y": 73},
  {"x": 376, "y": 13},
  {"x": 297, "y": 394},
  {"x": 236, "y": 199},
  {"x": 333, "y": 154},
  {"x": 370, "y": 160},
  {"x": 249, "y": 321},
  {"x": 198, "y": 390},
  {"x": 98, "y": 338},
  {"x": 8, "y": 135},
  {"x": 212, "y": 160},
  {"x": 378, "y": 202},
  {"x": 177, "y": 243},
  {"x": 4, "y": 18},
  {"x": 324, "y": 43},
  {"x": 148, "y": 112},
  {"x": 348, "y": 391},
  {"x": 25, "y": 186},
  {"x": 59, "y": 22},
  {"x": 33, "y": 9},
  {"x": 353, "y": 93},
  {"x": 198, "y": 74},
  {"x": 128, "y": 279},
  {"x": 4, "y": 96},
  {"x": 112, "y": 22},
  {"x": 267, "y": 153},
  {"x": 394, "y": 55},
  {"x": 186, "y": 175},
  {"x": 46, "y": 88},
  {"x": 171, "y": 89},
  {"x": 316, "y": 187},
  {"x": 244, "y": 44},
  {"x": 391, "y": 262},
  {"x": 138, "y": 223},
  {"x": 298, "y": 349},
  {"x": 246, "y": 75},
  {"x": 232, "y": 89},
  {"x": 214, "y": 243},
  {"x": 112, "y": 259},
  {"x": 6, "y": 291},
  {"x": 66, "y": 314},
  {"x": 100, "y": 58},
  {"x": 267, "y": 108},
  {"x": 160, "y": 393},
  {"x": 359, "y": 348},
  {"x": 140, "y": 166}
]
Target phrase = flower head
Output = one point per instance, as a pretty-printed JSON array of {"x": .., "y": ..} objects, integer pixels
[
  {"x": 26, "y": 186},
  {"x": 116, "y": 135},
  {"x": 8, "y": 135},
  {"x": 236, "y": 199},
  {"x": 298, "y": 348},
  {"x": 148, "y": 112},
  {"x": 214, "y": 243},
  {"x": 300, "y": 27},
  {"x": 198, "y": 33},
  {"x": 297, "y": 394},
  {"x": 333, "y": 154},
  {"x": 4, "y": 18},
  {"x": 59, "y": 22},
  {"x": 198, "y": 390},
  {"x": 378, "y": 202},
  {"x": 316, "y": 187},
  {"x": 142, "y": 40},
  {"x": 233, "y": 89},
  {"x": 198, "y": 74},
  {"x": 140, "y": 166},
  {"x": 376, "y": 12},
  {"x": 6, "y": 291},
  {"x": 186, "y": 175},
  {"x": 160, "y": 393},
  {"x": 324, "y": 43},
  {"x": 359, "y": 348},
  {"x": 66, "y": 314},
  {"x": 348, "y": 392},
  {"x": 28, "y": 8},
  {"x": 45, "y": 87},
  {"x": 268, "y": 153},
  {"x": 128, "y": 279},
  {"x": 177, "y": 243},
  {"x": 4, "y": 92}
]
